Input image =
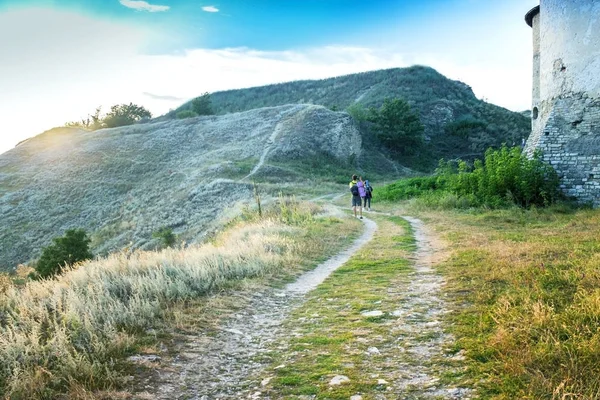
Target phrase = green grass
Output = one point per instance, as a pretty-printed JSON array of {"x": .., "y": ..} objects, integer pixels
[{"x": 526, "y": 292}]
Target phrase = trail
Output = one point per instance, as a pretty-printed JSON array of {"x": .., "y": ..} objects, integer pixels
[
  {"x": 219, "y": 367},
  {"x": 420, "y": 315},
  {"x": 225, "y": 366}
]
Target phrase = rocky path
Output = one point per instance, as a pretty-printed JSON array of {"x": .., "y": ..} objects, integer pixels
[
  {"x": 418, "y": 330},
  {"x": 225, "y": 366}
]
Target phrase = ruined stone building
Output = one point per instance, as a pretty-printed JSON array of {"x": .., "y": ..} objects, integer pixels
[{"x": 566, "y": 92}]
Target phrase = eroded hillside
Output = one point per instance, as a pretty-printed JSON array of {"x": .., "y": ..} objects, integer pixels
[
  {"x": 123, "y": 184},
  {"x": 457, "y": 123}
]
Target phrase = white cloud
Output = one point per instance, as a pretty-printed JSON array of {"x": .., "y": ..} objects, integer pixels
[
  {"x": 211, "y": 9},
  {"x": 143, "y": 6},
  {"x": 60, "y": 75}
]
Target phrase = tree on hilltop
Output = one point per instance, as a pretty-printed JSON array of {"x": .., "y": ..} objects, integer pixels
[
  {"x": 202, "y": 105},
  {"x": 125, "y": 114},
  {"x": 397, "y": 126},
  {"x": 119, "y": 115}
]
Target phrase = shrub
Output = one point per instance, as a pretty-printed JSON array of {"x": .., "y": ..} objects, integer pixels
[
  {"x": 504, "y": 177},
  {"x": 166, "y": 236},
  {"x": 202, "y": 105},
  {"x": 186, "y": 114},
  {"x": 125, "y": 114},
  {"x": 65, "y": 251},
  {"x": 507, "y": 176}
]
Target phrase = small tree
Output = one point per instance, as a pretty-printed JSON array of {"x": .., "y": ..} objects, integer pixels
[
  {"x": 125, "y": 114},
  {"x": 397, "y": 126},
  {"x": 166, "y": 236},
  {"x": 202, "y": 105},
  {"x": 67, "y": 250}
]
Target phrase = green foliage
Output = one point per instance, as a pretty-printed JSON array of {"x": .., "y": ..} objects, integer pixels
[
  {"x": 397, "y": 126},
  {"x": 464, "y": 127},
  {"x": 125, "y": 114},
  {"x": 67, "y": 250},
  {"x": 408, "y": 188},
  {"x": 432, "y": 96},
  {"x": 202, "y": 105},
  {"x": 166, "y": 236},
  {"x": 506, "y": 176},
  {"x": 119, "y": 115},
  {"x": 186, "y": 114},
  {"x": 358, "y": 112}
]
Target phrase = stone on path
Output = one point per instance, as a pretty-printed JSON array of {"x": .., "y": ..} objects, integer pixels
[
  {"x": 373, "y": 351},
  {"x": 356, "y": 397},
  {"x": 375, "y": 313},
  {"x": 338, "y": 380}
]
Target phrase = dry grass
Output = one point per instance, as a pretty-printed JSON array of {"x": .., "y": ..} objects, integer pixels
[
  {"x": 527, "y": 291},
  {"x": 67, "y": 334}
]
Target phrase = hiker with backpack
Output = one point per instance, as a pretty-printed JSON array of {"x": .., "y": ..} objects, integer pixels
[
  {"x": 356, "y": 198},
  {"x": 369, "y": 196},
  {"x": 362, "y": 191}
]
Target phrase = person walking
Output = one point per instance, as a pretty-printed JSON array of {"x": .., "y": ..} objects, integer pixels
[
  {"x": 356, "y": 199},
  {"x": 369, "y": 196},
  {"x": 362, "y": 191}
]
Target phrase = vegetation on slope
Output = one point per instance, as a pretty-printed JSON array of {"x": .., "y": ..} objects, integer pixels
[
  {"x": 506, "y": 176},
  {"x": 119, "y": 115},
  {"x": 72, "y": 332},
  {"x": 526, "y": 288},
  {"x": 440, "y": 102}
]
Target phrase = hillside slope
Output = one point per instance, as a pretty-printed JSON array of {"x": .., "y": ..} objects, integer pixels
[
  {"x": 441, "y": 102},
  {"x": 123, "y": 184}
]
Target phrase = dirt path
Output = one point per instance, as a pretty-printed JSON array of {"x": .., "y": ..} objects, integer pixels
[
  {"x": 218, "y": 367},
  {"x": 419, "y": 326},
  {"x": 225, "y": 366}
]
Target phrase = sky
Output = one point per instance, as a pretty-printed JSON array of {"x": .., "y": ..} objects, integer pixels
[{"x": 60, "y": 59}]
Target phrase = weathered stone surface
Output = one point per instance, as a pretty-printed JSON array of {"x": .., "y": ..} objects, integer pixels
[{"x": 566, "y": 94}]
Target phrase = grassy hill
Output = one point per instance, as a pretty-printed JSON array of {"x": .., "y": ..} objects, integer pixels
[
  {"x": 457, "y": 124},
  {"x": 123, "y": 184}
]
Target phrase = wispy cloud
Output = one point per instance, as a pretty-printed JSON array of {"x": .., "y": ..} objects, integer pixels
[
  {"x": 210, "y": 9},
  {"x": 162, "y": 97},
  {"x": 143, "y": 6}
]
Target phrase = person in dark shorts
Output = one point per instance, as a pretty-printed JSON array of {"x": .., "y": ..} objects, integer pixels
[
  {"x": 356, "y": 200},
  {"x": 369, "y": 196}
]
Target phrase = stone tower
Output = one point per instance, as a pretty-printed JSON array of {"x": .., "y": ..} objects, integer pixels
[{"x": 566, "y": 93}]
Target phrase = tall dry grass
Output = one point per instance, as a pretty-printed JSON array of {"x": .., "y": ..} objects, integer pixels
[{"x": 74, "y": 328}]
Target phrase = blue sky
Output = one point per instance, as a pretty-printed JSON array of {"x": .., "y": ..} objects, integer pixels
[{"x": 68, "y": 56}]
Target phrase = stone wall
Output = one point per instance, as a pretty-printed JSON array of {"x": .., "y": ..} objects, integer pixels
[{"x": 566, "y": 93}]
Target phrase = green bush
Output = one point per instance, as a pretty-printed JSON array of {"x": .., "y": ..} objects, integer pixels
[
  {"x": 504, "y": 177},
  {"x": 67, "y": 250},
  {"x": 202, "y": 105},
  {"x": 507, "y": 176},
  {"x": 166, "y": 236},
  {"x": 186, "y": 114}
]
